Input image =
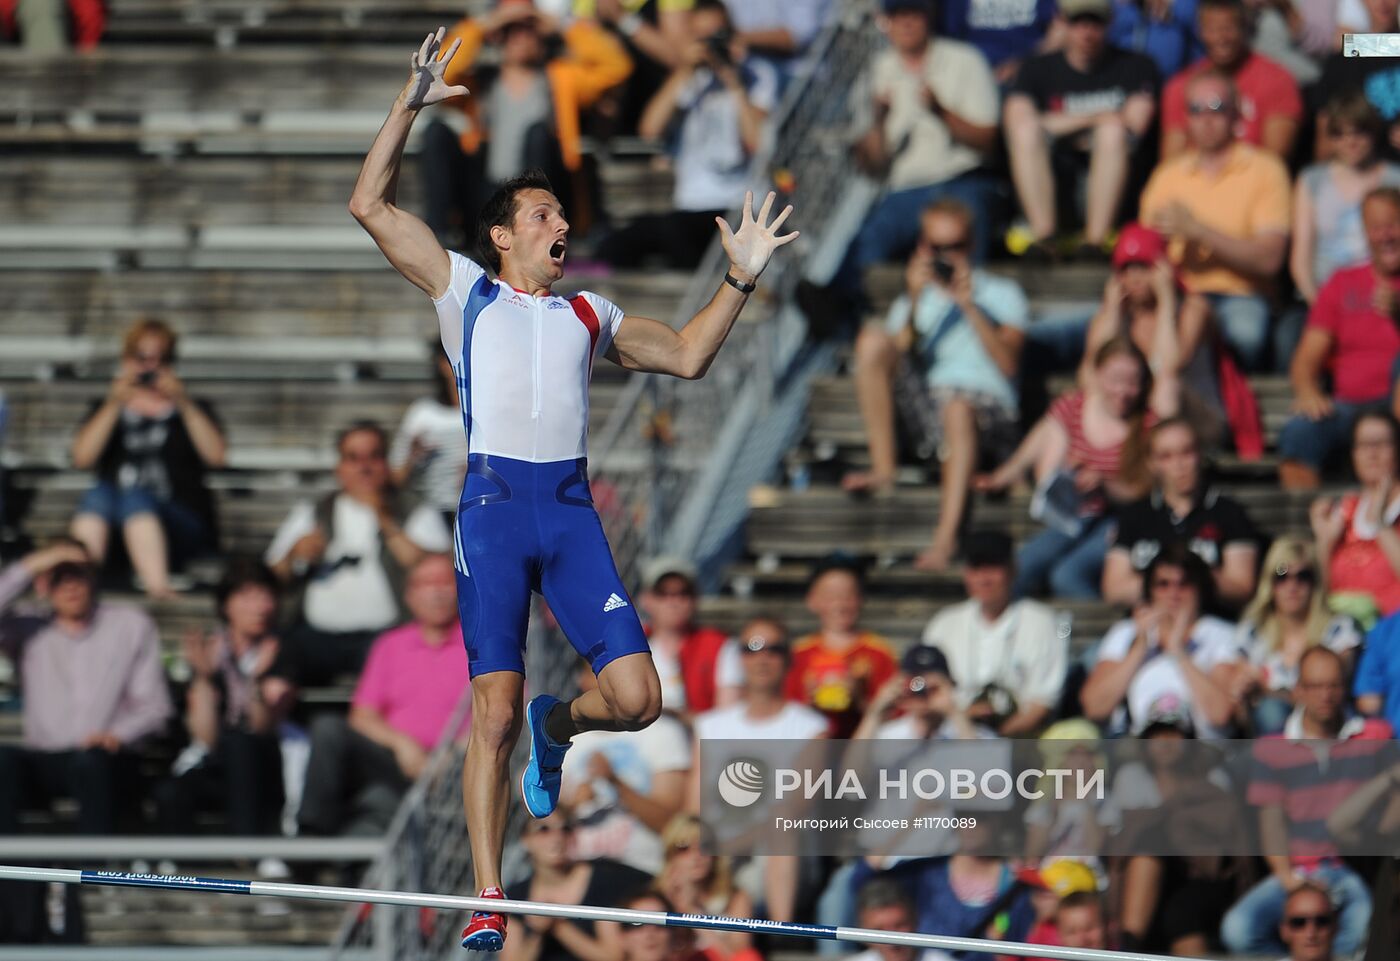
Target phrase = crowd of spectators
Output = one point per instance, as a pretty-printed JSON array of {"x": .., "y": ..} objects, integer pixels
[{"x": 1192, "y": 149}]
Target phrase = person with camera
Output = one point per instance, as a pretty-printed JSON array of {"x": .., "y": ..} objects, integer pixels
[
  {"x": 346, "y": 558},
  {"x": 946, "y": 364},
  {"x": 1008, "y": 654},
  {"x": 150, "y": 445},
  {"x": 712, "y": 108}
]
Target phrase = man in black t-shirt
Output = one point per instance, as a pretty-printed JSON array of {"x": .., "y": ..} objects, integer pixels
[
  {"x": 1087, "y": 106},
  {"x": 1181, "y": 508}
]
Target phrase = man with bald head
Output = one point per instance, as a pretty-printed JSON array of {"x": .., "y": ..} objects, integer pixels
[
  {"x": 1225, "y": 207},
  {"x": 1309, "y": 924}
]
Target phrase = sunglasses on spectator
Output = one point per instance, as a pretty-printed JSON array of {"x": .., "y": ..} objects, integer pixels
[
  {"x": 1213, "y": 105},
  {"x": 1082, "y": 18},
  {"x": 551, "y": 828},
  {"x": 1304, "y": 575},
  {"x": 1298, "y": 922},
  {"x": 1164, "y": 583}
]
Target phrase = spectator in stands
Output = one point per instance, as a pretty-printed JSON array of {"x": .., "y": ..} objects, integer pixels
[
  {"x": 1357, "y": 534},
  {"x": 1086, "y": 109},
  {"x": 1287, "y": 617},
  {"x": 688, "y": 657},
  {"x": 1168, "y": 800},
  {"x": 698, "y": 881},
  {"x": 654, "y": 34},
  {"x": 933, "y": 123},
  {"x": 1376, "y": 77},
  {"x": 232, "y": 711},
  {"x": 779, "y": 30},
  {"x": 1328, "y": 231},
  {"x": 430, "y": 445},
  {"x": 1295, "y": 785},
  {"x": 347, "y": 555},
  {"x": 1006, "y": 653},
  {"x": 1270, "y": 108},
  {"x": 1351, "y": 334},
  {"x": 970, "y": 894},
  {"x": 625, "y": 786},
  {"x": 948, "y": 355},
  {"x": 1169, "y": 651},
  {"x": 1080, "y": 921},
  {"x": 1309, "y": 924},
  {"x": 1377, "y": 683},
  {"x": 1141, "y": 301},
  {"x": 41, "y": 24},
  {"x": 527, "y": 117},
  {"x": 1164, "y": 30},
  {"x": 1225, "y": 207},
  {"x": 93, "y": 688},
  {"x": 653, "y": 942},
  {"x": 838, "y": 669},
  {"x": 762, "y": 710},
  {"x": 883, "y": 904},
  {"x": 558, "y": 876},
  {"x": 713, "y": 109},
  {"x": 404, "y": 701},
  {"x": 150, "y": 444},
  {"x": 925, "y": 697},
  {"x": 1005, "y": 34},
  {"x": 1182, "y": 509},
  {"x": 1088, "y": 454}
]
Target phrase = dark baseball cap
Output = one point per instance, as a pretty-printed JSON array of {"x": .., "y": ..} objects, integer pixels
[
  {"x": 988, "y": 549},
  {"x": 925, "y": 659}
]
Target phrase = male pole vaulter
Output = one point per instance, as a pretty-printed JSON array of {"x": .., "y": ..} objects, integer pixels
[{"x": 523, "y": 357}]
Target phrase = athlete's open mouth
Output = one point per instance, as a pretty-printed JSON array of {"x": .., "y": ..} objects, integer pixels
[{"x": 556, "y": 251}]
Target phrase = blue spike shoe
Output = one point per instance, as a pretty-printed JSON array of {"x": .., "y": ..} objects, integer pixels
[{"x": 539, "y": 782}]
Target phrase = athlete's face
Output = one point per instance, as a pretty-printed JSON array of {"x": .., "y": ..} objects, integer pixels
[{"x": 539, "y": 238}]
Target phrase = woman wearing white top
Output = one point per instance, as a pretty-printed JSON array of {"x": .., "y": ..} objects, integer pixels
[{"x": 1287, "y": 616}]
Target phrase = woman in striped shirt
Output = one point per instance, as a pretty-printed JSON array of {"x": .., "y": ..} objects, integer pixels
[{"x": 1088, "y": 453}]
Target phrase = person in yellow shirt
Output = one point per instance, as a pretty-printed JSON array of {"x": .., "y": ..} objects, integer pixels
[
  {"x": 1226, "y": 208},
  {"x": 525, "y": 113}
]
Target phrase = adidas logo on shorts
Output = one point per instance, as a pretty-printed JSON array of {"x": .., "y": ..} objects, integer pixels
[{"x": 614, "y": 602}]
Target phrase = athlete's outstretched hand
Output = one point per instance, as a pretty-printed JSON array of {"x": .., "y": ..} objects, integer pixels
[
  {"x": 425, "y": 84},
  {"x": 750, "y": 247}
]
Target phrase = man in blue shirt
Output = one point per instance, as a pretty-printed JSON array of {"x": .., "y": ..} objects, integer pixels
[{"x": 1377, "y": 683}]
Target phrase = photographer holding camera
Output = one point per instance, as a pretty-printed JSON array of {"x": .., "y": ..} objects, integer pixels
[
  {"x": 946, "y": 362},
  {"x": 150, "y": 444},
  {"x": 711, "y": 111}
]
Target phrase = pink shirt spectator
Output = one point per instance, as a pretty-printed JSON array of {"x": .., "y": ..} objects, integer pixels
[
  {"x": 1266, "y": 90},
  {"x": 413, "y": 685},
  {"x": 1358, "y": 565},
  {"x": 1364, "y": 341},
  {"x": 109, "y": 678}
]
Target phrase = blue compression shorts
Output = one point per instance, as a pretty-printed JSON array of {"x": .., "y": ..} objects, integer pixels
[{"x": 524, "y": 527}]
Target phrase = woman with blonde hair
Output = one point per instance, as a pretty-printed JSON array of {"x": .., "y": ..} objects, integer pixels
[
  {"x": 698, "y": 882},
  {"x": 1287, "y": 616}
]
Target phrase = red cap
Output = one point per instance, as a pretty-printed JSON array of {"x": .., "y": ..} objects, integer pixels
[{"x": 1138, "y": 245}]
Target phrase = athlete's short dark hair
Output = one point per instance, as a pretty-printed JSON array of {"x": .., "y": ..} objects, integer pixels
[{"x": 501, "y": 209}]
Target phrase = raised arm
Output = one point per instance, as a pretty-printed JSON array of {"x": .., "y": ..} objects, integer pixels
[
  {"x": 407, "y": 241},
  {"x": 649, "y": 345}
]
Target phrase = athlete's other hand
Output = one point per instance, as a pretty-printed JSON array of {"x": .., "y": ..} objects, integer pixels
[
  {"x": 425, "y": 83},
  {"x": 752, "y": 245}
]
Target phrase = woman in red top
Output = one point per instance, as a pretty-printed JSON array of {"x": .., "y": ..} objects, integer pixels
[
  {"x": 1087, "y": 454},
  {"x": 1358, "y": 541}
]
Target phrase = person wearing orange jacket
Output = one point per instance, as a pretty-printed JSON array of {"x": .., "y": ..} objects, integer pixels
[{"x": 523, "y": 112}]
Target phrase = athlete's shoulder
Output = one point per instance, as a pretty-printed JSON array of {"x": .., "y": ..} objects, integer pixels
[{"x": 465, "y": 274}]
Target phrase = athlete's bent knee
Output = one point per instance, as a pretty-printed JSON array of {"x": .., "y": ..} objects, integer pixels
[
  {"x": 495, "y": 722},
  {"x": 634, "y": 710}
]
